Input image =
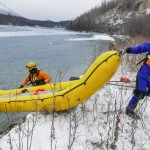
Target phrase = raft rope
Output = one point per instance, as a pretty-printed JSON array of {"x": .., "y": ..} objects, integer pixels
[
  {"x": 121, "y": 81},
  {"x": 120, "y": 85}
]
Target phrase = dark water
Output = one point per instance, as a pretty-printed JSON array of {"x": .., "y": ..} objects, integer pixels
[{"x": 60, "y": 53}]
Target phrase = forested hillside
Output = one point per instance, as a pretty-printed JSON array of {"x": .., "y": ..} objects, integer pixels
[
  {"x": 21, "y": 21},
  {"x": 131, "y": 17}
]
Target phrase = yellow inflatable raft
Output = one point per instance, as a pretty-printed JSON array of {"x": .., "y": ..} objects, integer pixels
[{"x": 64, "y": 95}]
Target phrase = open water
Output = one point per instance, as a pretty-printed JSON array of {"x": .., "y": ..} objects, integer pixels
[{"x": 59, "y": 52}]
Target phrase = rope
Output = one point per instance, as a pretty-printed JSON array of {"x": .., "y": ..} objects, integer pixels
[
  {"x": 121, "y": 81},
  {"x": 120, "y": 85}
]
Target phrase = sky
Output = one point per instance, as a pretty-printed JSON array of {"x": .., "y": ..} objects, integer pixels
[{"x": 55, "y": 10}]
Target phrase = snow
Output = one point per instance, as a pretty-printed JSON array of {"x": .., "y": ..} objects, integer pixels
[
  {"x": 122, "y": 37},
  {"x": 93, "y": 37},
  {"x": 147, "y": 11},
  {"x": 98, "y": 123},
  {"x": 7, "y": 11},
  {"x": 128, "y": 15},
  {"x": 31, "y": 31}
]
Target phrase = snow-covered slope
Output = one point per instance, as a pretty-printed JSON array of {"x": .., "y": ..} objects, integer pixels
[
  {"x": 98, "y": 124},
  {"x": 7, "y": 11},
  {"x": 117, "y": 16},
  {"x": 114, "y": 17}
]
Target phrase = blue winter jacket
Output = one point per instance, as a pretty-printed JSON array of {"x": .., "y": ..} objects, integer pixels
[
  {"x": 143, "y": 76},
  {"x": 145, "y": 47}
]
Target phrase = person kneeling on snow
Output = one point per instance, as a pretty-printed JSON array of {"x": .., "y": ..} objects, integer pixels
[
  {"x": 142, "y": 80},
  {"x": 35, "y": 76}
]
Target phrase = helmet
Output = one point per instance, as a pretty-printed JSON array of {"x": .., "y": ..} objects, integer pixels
[{"x": 31, "y": 65}]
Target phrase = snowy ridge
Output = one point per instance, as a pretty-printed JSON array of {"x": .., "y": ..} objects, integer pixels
[
  {"x": 7, "y": 11},
  {"x": 116, "y": 17}
]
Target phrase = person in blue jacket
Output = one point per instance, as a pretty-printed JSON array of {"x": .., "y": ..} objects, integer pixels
[{"x": 142, "y": 88}]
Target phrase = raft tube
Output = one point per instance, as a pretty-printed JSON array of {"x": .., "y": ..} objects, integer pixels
[
  {"x": 75, "y": 92},
  {"x": 54, "y": 86}
]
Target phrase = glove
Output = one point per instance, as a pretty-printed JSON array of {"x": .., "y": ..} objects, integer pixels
[
  {"x": 24, "y": 91},
  {"x": 20, "y": 87},
  {"x": 40, "y": 82},
  {"x": 128, "y": 50},
  {"x": 122, "y": 52}
]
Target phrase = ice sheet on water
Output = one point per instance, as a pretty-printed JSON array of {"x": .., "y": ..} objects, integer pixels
[
  {"x": 17, "y": 31},
  {"x": 92, "y": 38}
]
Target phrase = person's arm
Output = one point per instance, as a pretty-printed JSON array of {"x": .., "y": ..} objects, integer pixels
[
  {"x": 45, "y": 76},
  {"x": 26, "y": 80},
  {"x": 142, "y": 48}
]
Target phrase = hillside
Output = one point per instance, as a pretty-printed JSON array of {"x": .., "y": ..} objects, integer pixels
[
  {"x": 9, "y": 17},
  {"x": 21, "y": 21},
  {"x": 115, "y": 16}
]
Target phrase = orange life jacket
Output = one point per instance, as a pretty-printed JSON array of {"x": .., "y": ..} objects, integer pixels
[{"x": 39, "y": 75}]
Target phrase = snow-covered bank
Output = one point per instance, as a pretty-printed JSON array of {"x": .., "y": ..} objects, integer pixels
[{"x": 98, "y": 123}]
